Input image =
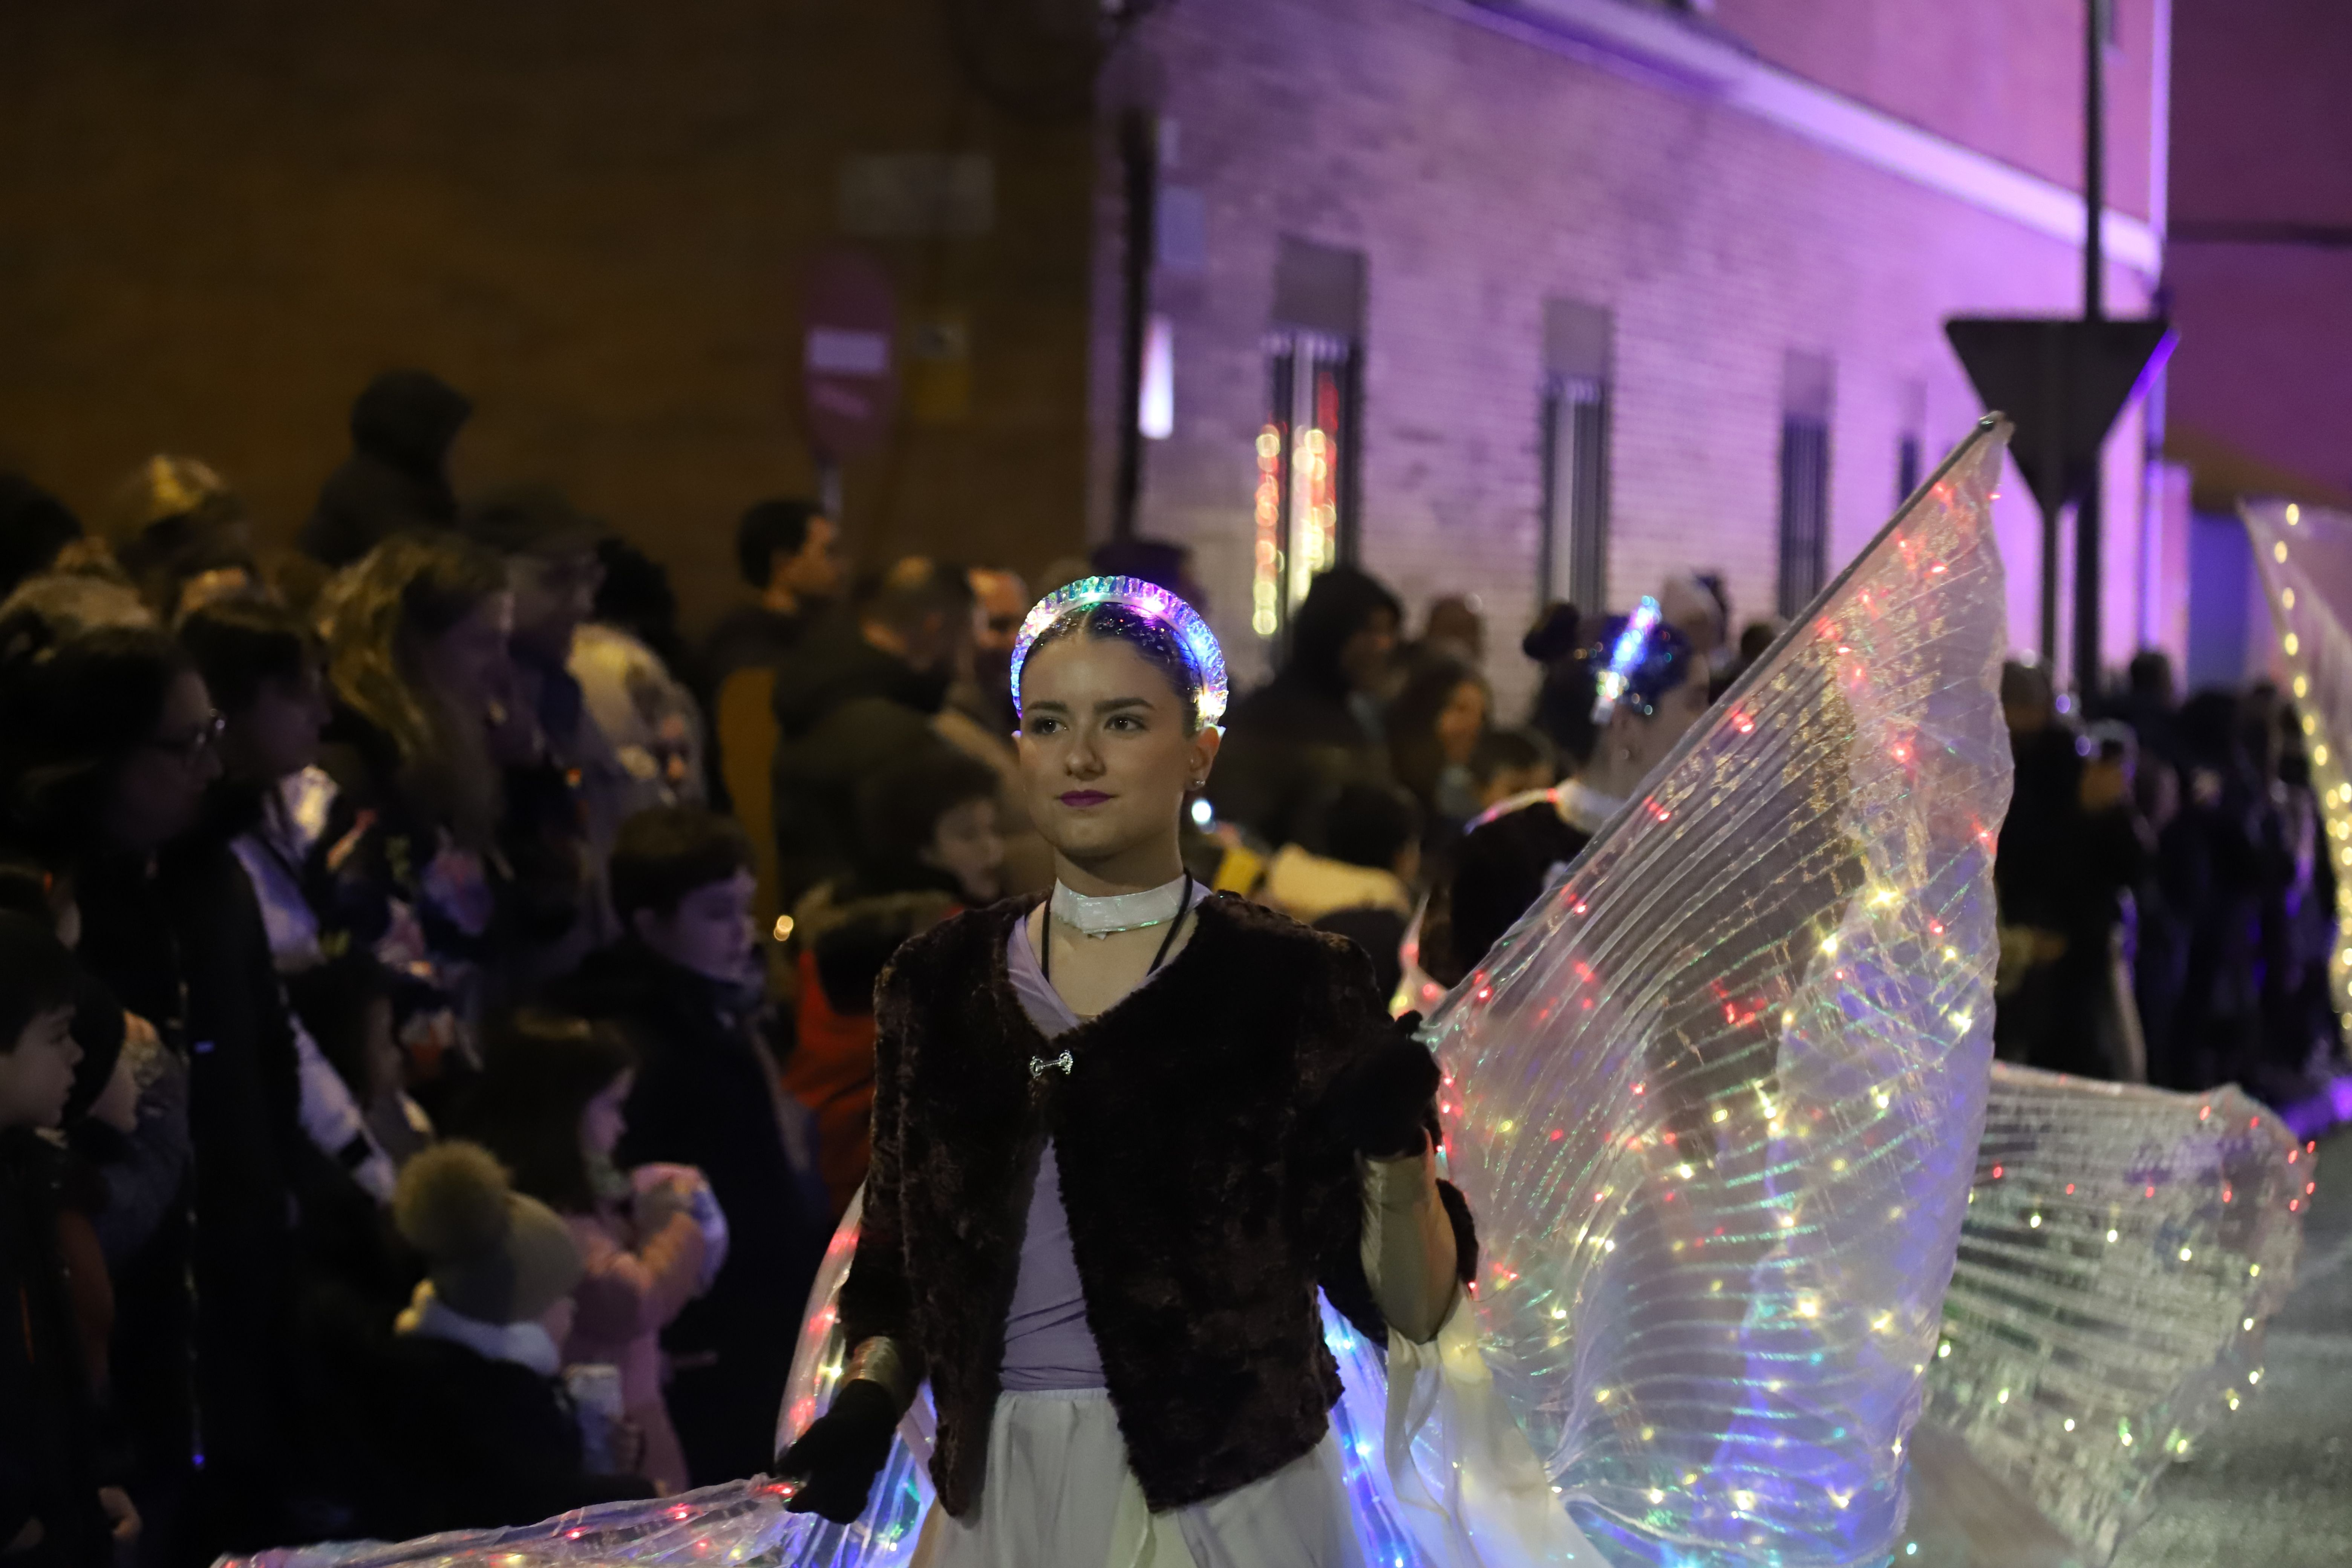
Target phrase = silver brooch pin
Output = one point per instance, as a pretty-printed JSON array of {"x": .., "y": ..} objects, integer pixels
[{"x": 1037, "y": 1065}]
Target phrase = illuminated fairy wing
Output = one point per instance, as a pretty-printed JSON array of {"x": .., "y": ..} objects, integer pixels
[
  {"x": 1716, "y": 1098},
  {"x": 2305, "y": 555},
  {"x": 2122, "y": 1249}
]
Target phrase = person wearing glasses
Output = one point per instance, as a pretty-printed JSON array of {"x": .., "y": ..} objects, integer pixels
[{"x": 113, "y": 743}]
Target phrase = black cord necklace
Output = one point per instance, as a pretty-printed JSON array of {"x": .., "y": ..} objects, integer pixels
[{"x": 1183, "y": 907}]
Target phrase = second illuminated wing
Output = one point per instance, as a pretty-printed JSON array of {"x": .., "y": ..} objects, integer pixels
[{"x": 1715, "y": 1100}]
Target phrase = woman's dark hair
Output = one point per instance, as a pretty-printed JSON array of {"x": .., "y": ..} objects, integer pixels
[
  {"x": 241, "y": 644},
  {"x": 1415, "y": 753},
  {"x": 664, "y": 852},
  {"x": 1340, "y": 602},
  {"x": 539, "y": 1072},
  {"x": 768, "y": 528},
  {"x": 74, "y": 711},
  {"x": 333, "y": 1000},
  {"x": 1146, "y": 635},
  {"x": 36, "y": 974},
  {"x": 1517, "y": 750},
  {"x": 899, "y": 812}
]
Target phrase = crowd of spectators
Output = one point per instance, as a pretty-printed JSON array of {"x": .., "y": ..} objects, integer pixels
[{"x": 435, "y": 995}]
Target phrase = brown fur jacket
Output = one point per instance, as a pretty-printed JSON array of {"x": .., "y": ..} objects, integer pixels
[{"x": 1207, "y": 1196}]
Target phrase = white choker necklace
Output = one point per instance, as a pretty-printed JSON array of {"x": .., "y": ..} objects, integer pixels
[{"x": 1119, "y": 912}]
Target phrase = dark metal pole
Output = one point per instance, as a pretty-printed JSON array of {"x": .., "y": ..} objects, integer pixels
[
  {"x": 2088, "y": 575},
  {"x": 1139, "y": 151}
]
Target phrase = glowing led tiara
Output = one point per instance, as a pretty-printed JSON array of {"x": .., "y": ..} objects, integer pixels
[
  {"x": 1623, "y": 655},
  {"x": 1202, "y": 657}
]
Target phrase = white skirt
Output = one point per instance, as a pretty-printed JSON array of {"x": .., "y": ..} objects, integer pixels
[{"x": 1058, "y": 1494}]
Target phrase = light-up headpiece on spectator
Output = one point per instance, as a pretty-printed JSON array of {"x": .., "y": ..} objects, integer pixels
[
  {"x": 1195, "y": 644},
  {"x": 1646, "y": 658}
]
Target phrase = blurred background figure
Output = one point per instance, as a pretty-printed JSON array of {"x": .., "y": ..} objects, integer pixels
[
  {"x": 553, "y": 1106},
  {"x": 2071, "y": 853},
  {"x": 181, "y": 536},
  {"x": 928, "y": 846},
  {"x": 34, "y": 526},
  {"x": 858, "y": 697},
  {"x": 788, "y": 554},
  {"x": 397, "y": 477},
  {"x": 1316, "y": 725}
]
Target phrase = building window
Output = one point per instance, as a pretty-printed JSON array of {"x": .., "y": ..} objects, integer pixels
[
  {"x": 1572, "y": 543},
  {"x": 1574, "y": 563},
  {"x": 1306, "y": 500},
  {"x": 1309, "y": 451},
  {"x": 1804, "y": 481}
]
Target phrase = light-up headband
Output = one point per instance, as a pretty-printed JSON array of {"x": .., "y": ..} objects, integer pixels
[
  {"x": 1624, "y": 654},
  {"x": 1203, "y": 659}
]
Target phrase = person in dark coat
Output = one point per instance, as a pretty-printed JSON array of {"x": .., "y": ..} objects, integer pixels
[
  {"x": 34, "y": 526},
  {"x": 51, "y": 1512},
  {"x": 789, "y": 552},
  {"x": 854, "y": 699},
  {"x": 112, "y": 752},
  {"x": 1315, "y": 727},
  {"x": 398, "y": 476},
  {"x": 683, "y": 985},
  {"x": 2072, "y": 850},
  {"x": 1513, "y": 851},
  {"x": 459, "y": 1420}
]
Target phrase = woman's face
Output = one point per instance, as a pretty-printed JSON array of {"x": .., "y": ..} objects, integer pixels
[
  {"x": 1104, "y": 756},
  {"x": 278, "y": 733},
  {"x": 160, "y": 788},
  {"x": 603, "y": 1119},
  {"x": 467, "y": 663},
  {"x": 1462, "y": 720}
]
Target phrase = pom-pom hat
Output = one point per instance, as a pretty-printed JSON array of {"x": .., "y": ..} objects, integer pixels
[
  {"x": 493, "y": 1254},
  {"x": 1203, "y": 657}
]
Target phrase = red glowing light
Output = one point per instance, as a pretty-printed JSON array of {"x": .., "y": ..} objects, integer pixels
[
  {"x": 2069, "y": 1189},
  {"x": 2292, "y": 1204},
  {"x": 1639, "y": 1088},
  {"x": 2151, "y": 1192},
  {"x": 1557, "y": 1135},
  {"x": 1996, "y": 1173},
  {"x": 2203, "y": 1111}
]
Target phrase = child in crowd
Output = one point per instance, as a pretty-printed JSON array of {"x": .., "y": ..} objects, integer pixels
[
  {"x": 1509, "y": 763},
  {"x": 465, "y": 1423},
  {"x": 551, "y": 1106},
  {"x": 52, "y": 1509},
  {"x": 928, "y": 846},
  {"x": 684, "y": 985},
  {"x": 1363, "y": 888}
]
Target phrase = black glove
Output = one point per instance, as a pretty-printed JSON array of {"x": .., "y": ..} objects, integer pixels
[
  {"x": 836, "y": 1459},
  {"x": 1384, "y": 1101}
]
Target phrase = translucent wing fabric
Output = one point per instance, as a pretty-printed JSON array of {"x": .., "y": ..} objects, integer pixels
[
  {"x": 1715, "y": 1100},
  {"x": 2122, "y": 1249},
  {"x": 2304, "y": 556}
]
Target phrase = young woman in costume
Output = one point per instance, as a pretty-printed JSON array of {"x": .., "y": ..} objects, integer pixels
[{"x": 1121, "y": 1136}]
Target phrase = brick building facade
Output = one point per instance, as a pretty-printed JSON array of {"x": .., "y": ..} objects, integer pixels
[
  {"x": 1735, "y": 230},
  {"x": 217, "y": 221}
]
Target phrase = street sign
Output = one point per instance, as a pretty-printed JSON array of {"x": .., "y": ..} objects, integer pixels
[
  {"x": 852, "y": 320},
  {"x": 2061, "y": 383}
]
